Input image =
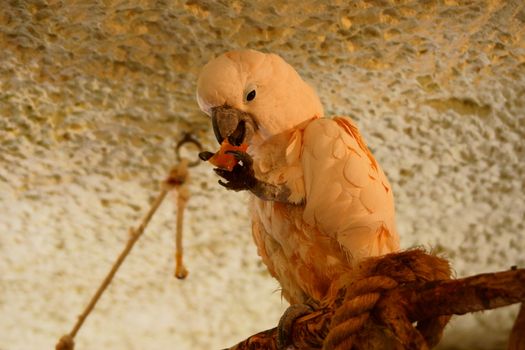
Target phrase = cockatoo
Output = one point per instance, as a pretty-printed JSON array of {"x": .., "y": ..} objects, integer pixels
[{"x": 319, "y": 200}]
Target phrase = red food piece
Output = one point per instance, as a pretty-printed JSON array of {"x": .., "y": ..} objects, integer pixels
[{"x": 226, "y": 161}]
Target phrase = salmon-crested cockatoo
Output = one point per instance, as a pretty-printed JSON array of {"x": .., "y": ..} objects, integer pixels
[{"x": 319, "y": 200}]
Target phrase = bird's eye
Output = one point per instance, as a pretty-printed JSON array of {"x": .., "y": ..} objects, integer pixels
[{"x": 250, "y": 96}]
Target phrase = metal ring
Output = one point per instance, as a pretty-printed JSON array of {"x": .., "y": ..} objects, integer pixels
[{"x": 187, "y": 138}]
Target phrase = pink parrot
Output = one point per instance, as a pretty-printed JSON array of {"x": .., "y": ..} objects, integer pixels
[{"x": 319, "y": 200}]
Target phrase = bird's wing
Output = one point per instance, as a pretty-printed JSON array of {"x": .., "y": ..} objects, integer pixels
[{"x": 348, "y": 197}]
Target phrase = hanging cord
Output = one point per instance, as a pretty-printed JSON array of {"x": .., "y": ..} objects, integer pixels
[
  {"x": 177, "y": 179},
  {"x": 67, "y": 341},
  {"x": 183, "y": 195},
  {"x": 181, "y": 177}
]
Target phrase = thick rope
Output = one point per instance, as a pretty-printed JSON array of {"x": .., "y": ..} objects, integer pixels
[
  {"x": 351, "y": 322},
  {"x": 425, "y": 292},
  {"x": 352, "y": 315}
]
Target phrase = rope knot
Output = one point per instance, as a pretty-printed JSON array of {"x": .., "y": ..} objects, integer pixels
[
  {"x": 178, "y": 175},
  {"x": 372, "y": 291},
  {"x": 360, "y": 298}
]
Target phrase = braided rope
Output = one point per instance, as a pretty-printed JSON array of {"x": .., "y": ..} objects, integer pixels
[
  {"x": 353, "y": 314},
  {"x": 351, "y": 326}
]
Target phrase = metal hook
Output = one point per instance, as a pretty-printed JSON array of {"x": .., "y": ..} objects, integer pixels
[{"x": 187, "y": 138}]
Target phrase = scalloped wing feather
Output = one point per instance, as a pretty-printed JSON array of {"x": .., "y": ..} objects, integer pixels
[{"x": 348, "y": 197}]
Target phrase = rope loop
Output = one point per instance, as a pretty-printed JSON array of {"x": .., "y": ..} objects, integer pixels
[{"x": 186, "y": 139}]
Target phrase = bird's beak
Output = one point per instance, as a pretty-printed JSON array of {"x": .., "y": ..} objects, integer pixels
[{"x": 235, "y": 125}]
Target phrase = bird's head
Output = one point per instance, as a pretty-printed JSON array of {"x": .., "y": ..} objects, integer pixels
[{"x": 252, "y": 96}]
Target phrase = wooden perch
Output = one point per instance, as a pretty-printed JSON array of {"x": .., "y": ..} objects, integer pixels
[{"x": 419, "y": 301}]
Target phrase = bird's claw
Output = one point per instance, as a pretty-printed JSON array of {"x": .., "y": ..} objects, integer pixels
[
  {"x": 284, "y": 329},
  {"x": 242, "y": 176}
]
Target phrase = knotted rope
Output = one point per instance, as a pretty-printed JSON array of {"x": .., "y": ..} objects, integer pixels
[
  {"x": 177, "y": 179},
  {"x": 351, "y": 325},
  {"x": 355, "y": 310},
  {"x": 425, "y": 294}
]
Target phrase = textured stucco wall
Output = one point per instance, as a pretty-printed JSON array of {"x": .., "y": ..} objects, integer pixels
[{"x": 93, "y": 95}]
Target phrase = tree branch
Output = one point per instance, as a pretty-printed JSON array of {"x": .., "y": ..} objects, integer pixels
[{"x": 458, "y": 297}]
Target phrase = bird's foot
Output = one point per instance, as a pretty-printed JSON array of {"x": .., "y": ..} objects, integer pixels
[
  {"x": 284, "y": 329},
  {"x": 242, "y": 176}
]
